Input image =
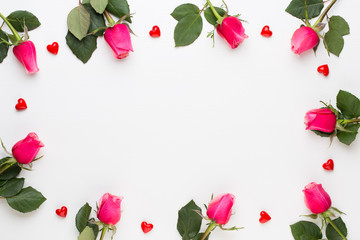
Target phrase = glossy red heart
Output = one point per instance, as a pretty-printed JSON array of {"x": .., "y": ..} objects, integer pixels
[
  {"x": 62, "y": 212},
  {"x": 53, "y": 48},
  {"x": 329, "y": 165},
  {"x": 324, "y": 69},
  {"x": 146, "y": 227},
  {"x": 21, "y": 105},
  {"x": 155, "y": 32},
  {"x": 264, "y": 217},
  {"x": 266, "y": 31}
]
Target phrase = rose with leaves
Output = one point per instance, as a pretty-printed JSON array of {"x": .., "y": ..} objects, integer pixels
[
  {"x": 11, "y": 188},
  {"x": 318, "y": 201},
  {"x": 86, "y": 23},
  {"x": 108, "y": 214},
  {"x": 308, "y": 35},
  {"x": 218, "y": 214},
  {"x": 342, "y": 122},
  {"x": 190, "y": 24},
  {"x": 24, "y": 49}
]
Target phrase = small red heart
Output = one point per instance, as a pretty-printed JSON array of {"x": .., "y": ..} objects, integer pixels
[
  {"x": 62, "y": 212},
  {"x": 146, "y": 227},
  {"x": 264, "y": 217},
  {"x": 53, "y": 48},
  {"x": 324, "y": 69},
  {"x": 155, "y": 32},
  {"x": 329, "y": 165},
  {"x": 266, "y": 31},
  {"x": 21, "y": 105}
]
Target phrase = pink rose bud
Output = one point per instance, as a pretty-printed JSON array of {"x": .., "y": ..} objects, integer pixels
[
  {"x": 25, "y": 52},
  {"x": 118, "y": 38},
  {"x": 109, "y": 211},
  {"x": 322, "y": 119},
  {"x": 25, "y": 151},
  {"x": 232, "y": 30},
  {"x": 303, "y": 39},
  {"x": 316, "y": 199},
  {"x": 219, "y": 209}
]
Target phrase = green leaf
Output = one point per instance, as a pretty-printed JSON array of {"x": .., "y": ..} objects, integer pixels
[
  {"x": 322, "y": 134},
  {"x": 99, "y": 5},
  {"x": 199, "y": 236},
  {"x": 4, "y": 47},
  {"x": 12, "y": 187},
  {"x": 85, "y": 1},
  {"x": 87, "y": 234},
  {"x": 339, "y": 24},
  {"x": 331, "y": 233},
  {"x": 348, "y": 137},
  {"x": 188, "y": 30},
  {"x": 304, "y": 230},
  {"x": 348, "y": 104},
  {"x": 94, "y": 227},
  {"x": 189, "y": 222},
  {"x": 183, "y": 10},
  {"x": 82, "y": 49},
  {"x": 27, "y": 200},
  {"x": 334, "y": 42},
  {"x": 78, "y": 21},
  {"x": 210, "y": 17},
  {"x": 97, "y": 21},
  {"x": 2, "y": 182},
  {"x": 119, "y": 8},
  {"x": 20, "y": 18},
  {"x": 11, "y": 172},
  {"x": 82, "y": 217},
  {"x": 298, "y": 8}
]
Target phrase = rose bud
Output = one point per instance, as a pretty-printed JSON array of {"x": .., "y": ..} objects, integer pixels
[
  {"x": 25, "y": 151},
  {"x": 232, "y": 30},
  {"x": 109, "y": 209},
  {"x": 303, "y": 39},
  {"x": 118, "y": 38},
  {"x": 25, "y": 52},
  {"x": 322, "y": 119},
  {"x": 219, "y": 209},
  {"x": 316, "y": 199}
]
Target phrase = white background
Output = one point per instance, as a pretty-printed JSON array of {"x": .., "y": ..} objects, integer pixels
[{"x": 167, "y": 125}]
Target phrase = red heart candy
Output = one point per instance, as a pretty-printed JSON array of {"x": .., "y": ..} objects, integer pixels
[
  {"x": 21, "y": 105},
  {"x": 53, "y": 48},
  {"x": 264, "y": 217},
  {"x": 329, "y": 165},
  {"x": 266, "y": 31},
  {"x": 324, "y": 69},
  {"x": 146, "y": 227},
  {"x": 155, "y": 32},
  {"x": 62, "y": 212}
]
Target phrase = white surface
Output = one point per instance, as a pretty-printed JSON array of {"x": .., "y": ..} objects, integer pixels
[{"x": 167, "y": 125}]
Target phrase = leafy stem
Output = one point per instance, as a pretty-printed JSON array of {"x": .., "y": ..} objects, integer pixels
[
  {"x": 105, "y": 228},
  {"x": 209, "y": 229},
  {"x": 323, "y": 14},
  {"x": 354, "y": 120},
  {"x": 327, "y": 218},
  {"x": 16, "y": 34},
  {"x": 217, "y": 15},
  {"x": 109, "y": 18}
]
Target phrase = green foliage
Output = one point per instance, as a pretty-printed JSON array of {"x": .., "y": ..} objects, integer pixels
[
  {"x": 12, "y": 187},
  {"x": 99, "y": 5},
  {"x": 305, "y": 9},
  {"x": 337, "y": 23},
  {"x": 82, "y": 49},
  {"x": 10, "y": 173},
  {"x": 27, "y": 200},
  {"x": 78, "y": 22},
  {"x": 82, "y": 217},
  {"x": 189, "y": 222},
  {"x": 348, "y": 104},
  {"x": 119, "y": 8},
  {"x": 183, "y": 10},
  {"x": 332, "y": 234},
  {"x": 87, "y": 234},
  {"x": 4, "y": 47},
  {"x": 334, "y": 42},
  {"x": 348, "y": 137},
  {"x": 188, "y": 30},
  {"x": 304, "y": 230},
  {"x": 20, "y": 18},
  {"x": 97, "y": 21},
  {"x": 210, "y": 17}
]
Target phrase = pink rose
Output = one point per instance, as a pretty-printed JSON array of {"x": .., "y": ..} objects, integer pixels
[
  {"x": 118, "y": 38},
  {"x": 322, "y": 119},
  {"x": 219, "y": 209},
  {"x": 25, "y": 151},
  {"x": 316, "y": 199},
  {"x": 303, "y": 39},
  {"x": 109, "y": 211},
  {"x": 232, "y": 30},
  {"x": 25, "y": 52}
]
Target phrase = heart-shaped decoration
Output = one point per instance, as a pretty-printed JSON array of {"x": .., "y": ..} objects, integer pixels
[
  {"x": 324, "y": 69},
  {"x": 264, "y": 217},
  {"x": 329, "y": 165},
  {"x": 146, "y": 227},
  {"x": 62, "y": 212},
  {"x": 265, "y": 32},
  {"x": 155, "y": 32},
  {"x": 53, "y": 48},
  {"x": 21, "y": 105}
]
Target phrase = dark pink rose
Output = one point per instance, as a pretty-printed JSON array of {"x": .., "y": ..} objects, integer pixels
[
  {"x": 25, "y": 151},
  {"x": 118, "y": 38},
  {"x": 219, "y": 209},
  {"x": 303, "y": 39},
  {"x": 232, "y": 30},
  {"x": 322, "y": 119},
  {"x": 25, "y": 52},
  {"x": 316, "y": 199},
  {"x": 109, "y": 211}
]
